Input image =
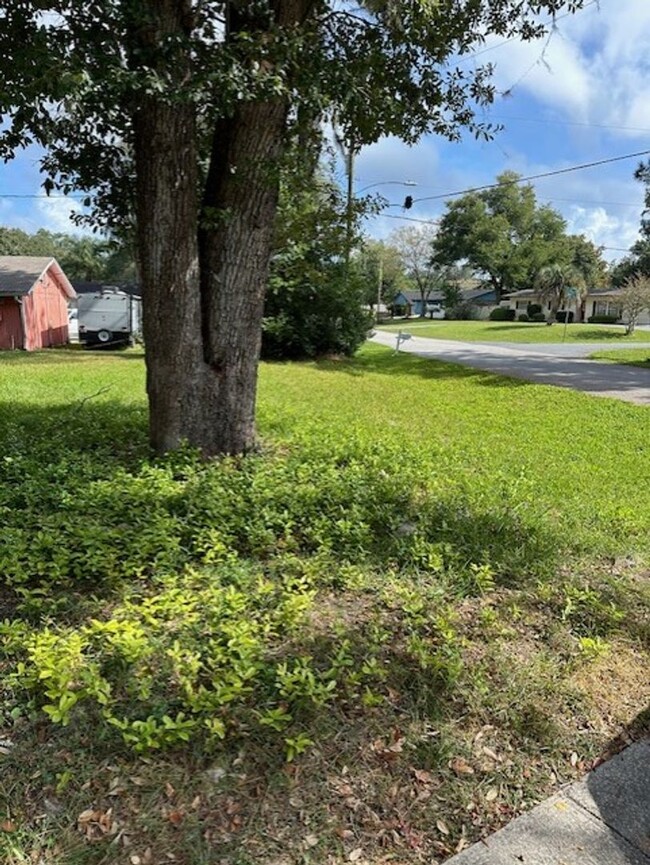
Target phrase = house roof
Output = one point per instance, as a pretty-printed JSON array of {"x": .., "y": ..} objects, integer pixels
[
  {"x": 467, "y": 294},
  {"x": 19, "y": 274},
  {"x": 525, "y": 292},
  {"x": 531, "y": 292}
]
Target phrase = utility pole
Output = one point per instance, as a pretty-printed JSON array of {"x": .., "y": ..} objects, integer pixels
[
  {"x": 380, "y": 284},
  {"x": 349, "y": 203}
]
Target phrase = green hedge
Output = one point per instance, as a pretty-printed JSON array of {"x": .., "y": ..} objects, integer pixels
[{"x": 501, "y": 313}]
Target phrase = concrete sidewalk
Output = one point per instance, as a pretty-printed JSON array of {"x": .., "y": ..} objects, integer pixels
[
  {"x": 534, "y": 363},
  {"x": 602, "y": 820}
]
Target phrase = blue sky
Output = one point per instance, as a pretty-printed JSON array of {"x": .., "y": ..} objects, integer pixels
[{"x": 581, "y": 96}]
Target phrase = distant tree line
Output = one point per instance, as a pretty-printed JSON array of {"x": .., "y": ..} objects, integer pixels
[{"x": 88, "y": 259}]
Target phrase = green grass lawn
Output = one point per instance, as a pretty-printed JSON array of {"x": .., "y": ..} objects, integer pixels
[
  {"x": 420, "y": 608},
  {"x": 628, "y": 356},
  {"x": 506, "y": 331}
]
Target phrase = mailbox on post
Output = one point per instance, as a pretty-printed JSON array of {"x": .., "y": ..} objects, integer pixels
[{"x": 402, "y": 336}]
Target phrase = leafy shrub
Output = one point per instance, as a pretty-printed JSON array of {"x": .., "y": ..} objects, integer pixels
[
  {"x": 561, "y": 316},
  {"x": 538, "y": 317},
  {"x": 602, "y": 319},
  {"x": 314, "y": 301},
  {"x": 306, "y": 319},
  {"x": 501, "y": 313},
  {"x": 533, "y": 309},
  {"x": 523, "y": 317}
]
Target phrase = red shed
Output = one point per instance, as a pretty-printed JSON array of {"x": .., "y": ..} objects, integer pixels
[{"x": 34, "y": 294}]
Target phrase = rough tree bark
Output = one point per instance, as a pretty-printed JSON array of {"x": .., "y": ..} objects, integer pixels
[
  {"x": 203, "y": 286},
  {"x": 166, "y": 159}
]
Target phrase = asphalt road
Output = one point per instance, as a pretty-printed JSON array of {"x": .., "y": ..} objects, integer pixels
[{"x": 562, "y": 365}]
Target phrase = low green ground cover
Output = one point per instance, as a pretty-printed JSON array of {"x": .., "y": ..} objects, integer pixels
[
  {"x": 506, "y": 331},
  {"x": 421, "y": 605},
  {"x": 628, "y": 356}
]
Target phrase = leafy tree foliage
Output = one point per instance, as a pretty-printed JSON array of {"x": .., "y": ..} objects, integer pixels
[
  {"x": 504, "y": 234},
  {"x": 638, "y": 260},
  {"x": 555, "y": 284},
  {"x": 634, "y": 298},
  {"x": 500, "y": 232},
  {"x": 176, "y": 114},
  {"x": 82, "y": 258},
  {"x": 314, "y": 300},
  {"x": 414, "y": 247},
  {"x": 380, "y": 261}
]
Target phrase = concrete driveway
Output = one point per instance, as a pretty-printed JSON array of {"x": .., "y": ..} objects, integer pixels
[{"x": 562, "y": 365}]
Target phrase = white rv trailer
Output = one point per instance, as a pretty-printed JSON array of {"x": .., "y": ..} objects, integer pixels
[{"x": 109, "y": 317}]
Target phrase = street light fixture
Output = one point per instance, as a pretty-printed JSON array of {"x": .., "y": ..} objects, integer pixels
[{"x": 386, "y": 183}]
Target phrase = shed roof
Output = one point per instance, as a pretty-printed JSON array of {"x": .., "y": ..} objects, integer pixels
[{"x": 19, "y": 274}]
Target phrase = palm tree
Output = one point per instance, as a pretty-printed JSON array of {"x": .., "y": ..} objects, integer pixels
[{"x": 556, "y": 284}]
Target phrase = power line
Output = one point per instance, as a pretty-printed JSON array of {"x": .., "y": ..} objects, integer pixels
[
  {"x": 554, "y": 173},
  {"x": 569, "y": 123},
  {"x": 42, "y": 197}
]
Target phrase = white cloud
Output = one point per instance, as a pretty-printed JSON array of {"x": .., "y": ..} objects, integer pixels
[
  {"x": 56, "y": 214},
  {"x": 615, "y": 233},
  {"x": 595, "y": 67}
]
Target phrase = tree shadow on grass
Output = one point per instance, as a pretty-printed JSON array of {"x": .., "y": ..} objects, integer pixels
[
  {"x": 84, "y": 508},
  {"x": 604, "y": 335}
]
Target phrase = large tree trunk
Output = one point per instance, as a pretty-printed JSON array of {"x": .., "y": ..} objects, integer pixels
[
  {"x": 165, "y": 143},
  {"x": 239, "y": 207},
  {"x": 235, "y": 247},
  {"x": 179, "y": 382},
  {"x": 203, "y": 286}
]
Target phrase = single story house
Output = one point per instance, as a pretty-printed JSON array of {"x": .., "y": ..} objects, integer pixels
[
  {"x": 520, "y": 301},
  {"x": 606, "y": 302},
  {"x": 34, "y": 295},
  {"x": 596, "y": 302},
  {"x": 481, "y": 299}
]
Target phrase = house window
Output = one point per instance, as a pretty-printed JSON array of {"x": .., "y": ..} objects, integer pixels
[{"x": 606, "y": 307}]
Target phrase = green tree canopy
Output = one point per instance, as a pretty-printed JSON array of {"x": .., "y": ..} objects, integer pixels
[
  {"x": 314, "y": 301},
  {"x": 81, "y": 257},
  {"x": 638, "y": 260},
  {"x": 414, "y": 248},
  {"x": 557, "y": 283},
  {"x": 502, "y": 233}
]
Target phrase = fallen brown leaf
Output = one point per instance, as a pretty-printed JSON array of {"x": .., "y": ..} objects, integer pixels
[
  {"x": 460, "y": 766},
  {"x": 176, "y": 817},
  {"x": 422, "y": 776}
]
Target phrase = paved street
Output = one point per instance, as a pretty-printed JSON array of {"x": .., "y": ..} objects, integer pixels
[
  {"x": 562, "y": 365},
  {"x": 602, "y": 820}
]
